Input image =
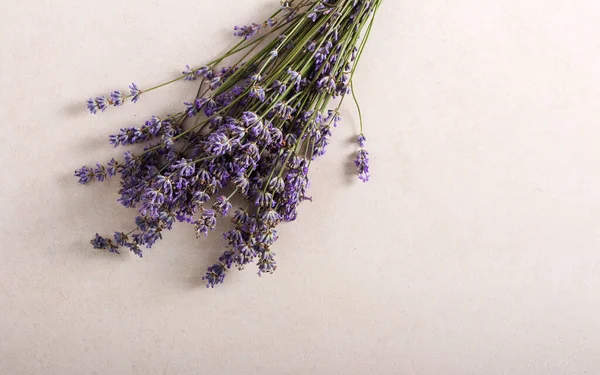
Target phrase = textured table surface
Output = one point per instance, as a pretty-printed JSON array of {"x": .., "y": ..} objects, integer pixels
[{"x": 474, "y": 250}]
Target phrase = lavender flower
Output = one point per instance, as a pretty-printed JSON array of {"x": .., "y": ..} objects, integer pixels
[
  {"x": 361, "y": 140},
  {"x": 135, "y": 92},
  {"x": 362, "y": 163},
  {"x": 246, "y": 32},
  {"x": 184, "y": 167},
  {"x": 258, "y": 92},
  {"x": 100, "y": 172},
  {"x": 116, "y": 98},
  {"x": 112, "y": 167},
  {"x": 215, "y": 275},
  {"x": 189, "y": 74},
  {"x": 313, "y": 15},
  {"x": 207, "y": 222},
  {"x": 99, "y": 242},
  {"x": 85, "y": 175},
  {"x": 92, "y": 105},
  {"x": 263, "y": 199},
  {"x": 222, "y": 205},
  {"x": 102, "y": 103}
]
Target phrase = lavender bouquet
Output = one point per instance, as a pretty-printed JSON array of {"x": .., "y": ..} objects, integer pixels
[{"x": 252, "y": 131}]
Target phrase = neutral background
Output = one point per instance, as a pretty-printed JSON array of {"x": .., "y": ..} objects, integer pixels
[{"x": 474, "y": 250}]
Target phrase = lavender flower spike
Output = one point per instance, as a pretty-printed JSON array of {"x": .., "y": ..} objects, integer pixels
[
  {"x": 215, "y": 275},
  {"x": 362, "y": 140},
  {"x": 116, "y": 97},
  {"x": 362, "y": 163},
  {"x": 92, "y": 105},
  {"x": 102, "y": 103},
  {"x": 135, "y": 92}
]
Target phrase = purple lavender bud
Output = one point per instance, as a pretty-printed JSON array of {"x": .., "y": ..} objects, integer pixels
[
  {"x": 210, "y": 107},
  {"x": 164, "y": 184},
  {"x": 184, "y": 167},
  {"x": 256, "y": 78},
  {"x": 215, "y": 275},
  {"x": 234, "y": 236},
  {"x": 276, "y": 135},
  {"x": 362, "y": 163},
  {"x": 249, "y": 118},
  {"x": 236, "y": 131},
  {"x": 200, "y": 196},
  {"x": 154, "y": 125},
  {"x": 218, "y": 144},
  {"x": 327, "y": 83},
  {"x": 258, "y": 92},
  {"x": 242, "y": 183},
  {"x": 100, "y": 172},
  {"x": 99, "y": 242},
  {"x": 271, "y": 22},
  {"x": 205, "y": 72},
  {"x": 321, "y": 56},
  {"x": 267, "y": 236},
  {"x": 222, "y": 205},
  {"x": 152, "y": 201},
  {"x": 273, "y": 53},
  {"x": 277, "y": 184},
  {"x": 203, "y": 175},
  {"x": 215, "y": 82},
  {"x": 120, "y": 238},
  {"x": 189, "y": 74},
  {"x": 336, "y": 120},
  {"x": 246, "y": 32},
  {"x": 135, "y": 249},
  {"x": 240, "y": 217},
  {"x": 259, "y": 130},
  {"x": 280, "y": 87},
  {"x": 112, "y": 167},
  {"x": 263, "y": 199},
  {"x": 294, "y": 75},
  {"x": 114, "y": 140},
  {"x": 102, "y": 103},
  {"x": 116, "y": 98},
  {"x": 251, "y": 149},
  {"x": 361, "y": 140},
  {"x": 206, "y": 222},
  {"x": 237, "y": 91},
  {"x": 135, "y": 92},
  {"x": 191, "y": 109},
  {"x": 85, "y": 175},
  {"x": 266, "y": 262},
  {"x": 92, "y": 105},
  {"x": 290, "y": 140},
  {"x": 270, "y": 218}
]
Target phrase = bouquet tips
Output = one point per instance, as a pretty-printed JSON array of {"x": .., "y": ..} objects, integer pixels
[{"x": 252, "y": 130}]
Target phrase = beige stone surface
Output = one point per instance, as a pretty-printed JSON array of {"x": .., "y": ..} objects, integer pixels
[{"x": 474, "y": 250}]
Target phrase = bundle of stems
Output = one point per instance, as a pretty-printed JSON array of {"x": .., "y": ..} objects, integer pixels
[{"x": 252, "y": 130}]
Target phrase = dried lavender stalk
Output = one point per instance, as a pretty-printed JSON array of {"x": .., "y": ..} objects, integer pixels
[{"x": 253, "y": 128}]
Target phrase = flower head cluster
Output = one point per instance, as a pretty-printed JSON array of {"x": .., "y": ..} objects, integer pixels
[
  {"x": 116, "y": 99},
  {"x": 362, "y": 160},
  {"x": 255, "y": 128}
]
